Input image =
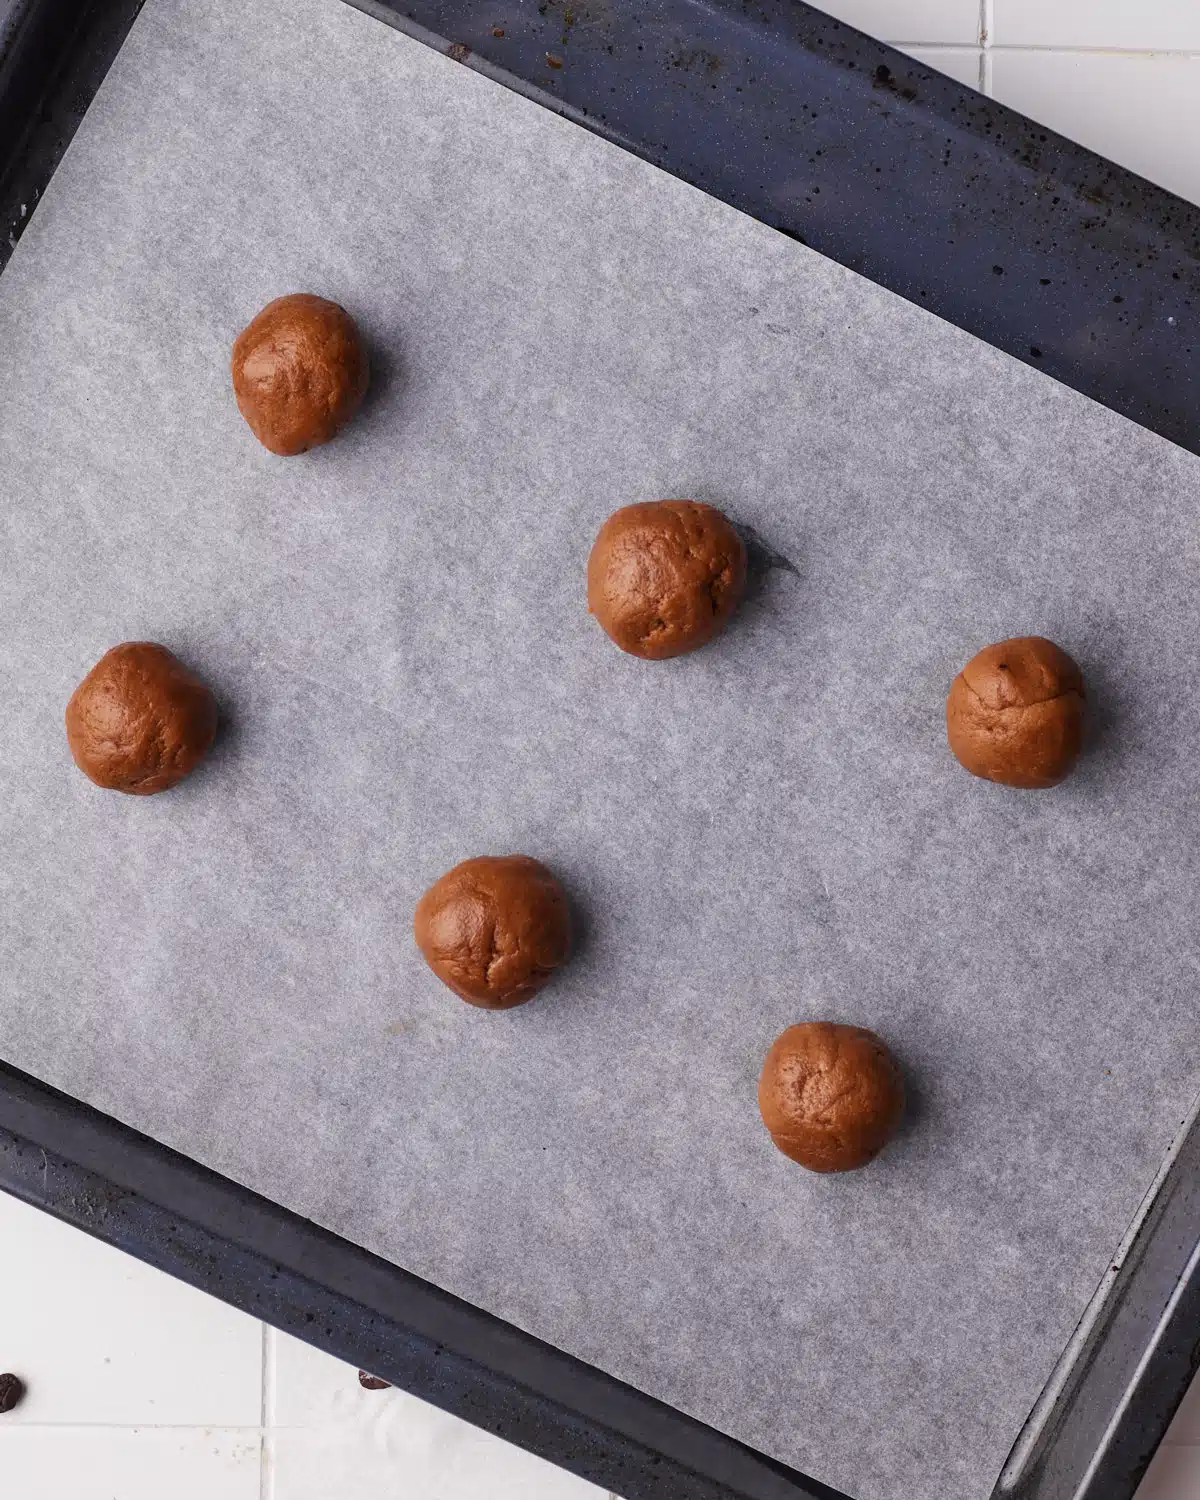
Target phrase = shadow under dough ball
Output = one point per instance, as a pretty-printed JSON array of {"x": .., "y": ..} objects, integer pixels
[
  {"x": 139, "y": 721},
  {"x": 299, "y": 373},
  {"x": 831, "y": 1095},
  {"x": 1015, "y": 713},
  {"x": 495, "y": 929},
  {"x": 665, "y": 576}
]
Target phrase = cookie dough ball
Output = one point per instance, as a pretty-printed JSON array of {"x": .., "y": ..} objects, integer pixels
[
  {"x": 494, "y": 929},
  {"x": 140, "y": 721},
  {"x": 831, "y": 1095},
  {"x": 1015, "y": 713},
  {"x": 299, "y": 373},
  {"x": 664, "y": 577}
]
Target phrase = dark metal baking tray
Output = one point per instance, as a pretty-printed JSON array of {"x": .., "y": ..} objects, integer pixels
[{"x": 1041, "y": 248}]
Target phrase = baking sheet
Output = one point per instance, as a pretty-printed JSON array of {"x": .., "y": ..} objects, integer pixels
[{"x": 768, "y": 831}]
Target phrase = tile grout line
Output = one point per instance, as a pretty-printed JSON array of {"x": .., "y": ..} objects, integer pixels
[
  {"x": 231, "y": 1427},
  {"x": 904, "y": 45},
  {"x": 1054, "y": 49},
  {"x": 987, "y": 21},
  {"x": 266, "y": 1467}
]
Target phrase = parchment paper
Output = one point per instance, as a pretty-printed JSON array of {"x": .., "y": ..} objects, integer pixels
[{"x": 768, "y": 831}]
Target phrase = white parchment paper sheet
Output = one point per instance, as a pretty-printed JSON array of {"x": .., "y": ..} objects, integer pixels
[{"x": 768, "y": 831}]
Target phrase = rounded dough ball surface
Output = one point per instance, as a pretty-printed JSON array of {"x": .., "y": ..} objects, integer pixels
[
  {"x": 664, "y": 577},
  {"x": 299, "y": 372},
  {"x": 831, "y": 1095},
  {"x": 139, "y": 721},
  {"x": 1015, "y": 713},
  {"x": 495, "y": 929}
]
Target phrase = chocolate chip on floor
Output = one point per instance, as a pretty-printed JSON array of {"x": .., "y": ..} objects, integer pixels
[{"x": 12, "y": 1389}]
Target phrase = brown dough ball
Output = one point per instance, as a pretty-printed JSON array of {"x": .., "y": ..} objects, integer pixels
[
  {"x": 299, "y": 373},
  {"x": 665, "y": 576},
  {"x": 831, "y": 1095},
  {"x": 140, "y": 721},
  {"x": 494, "y": 929},
  {"x": 1015, "y": 713}
]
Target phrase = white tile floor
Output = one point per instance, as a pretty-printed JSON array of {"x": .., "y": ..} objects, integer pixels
[{"x": 140, "y": 1388}]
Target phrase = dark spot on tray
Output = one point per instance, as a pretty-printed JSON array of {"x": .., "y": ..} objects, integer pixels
[
  {"x": 698, "y": 59},
  {"x": 1034, "y": 352},
  {"x": 458, "y": 51},
  {"x": 885, "y": 80}
]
